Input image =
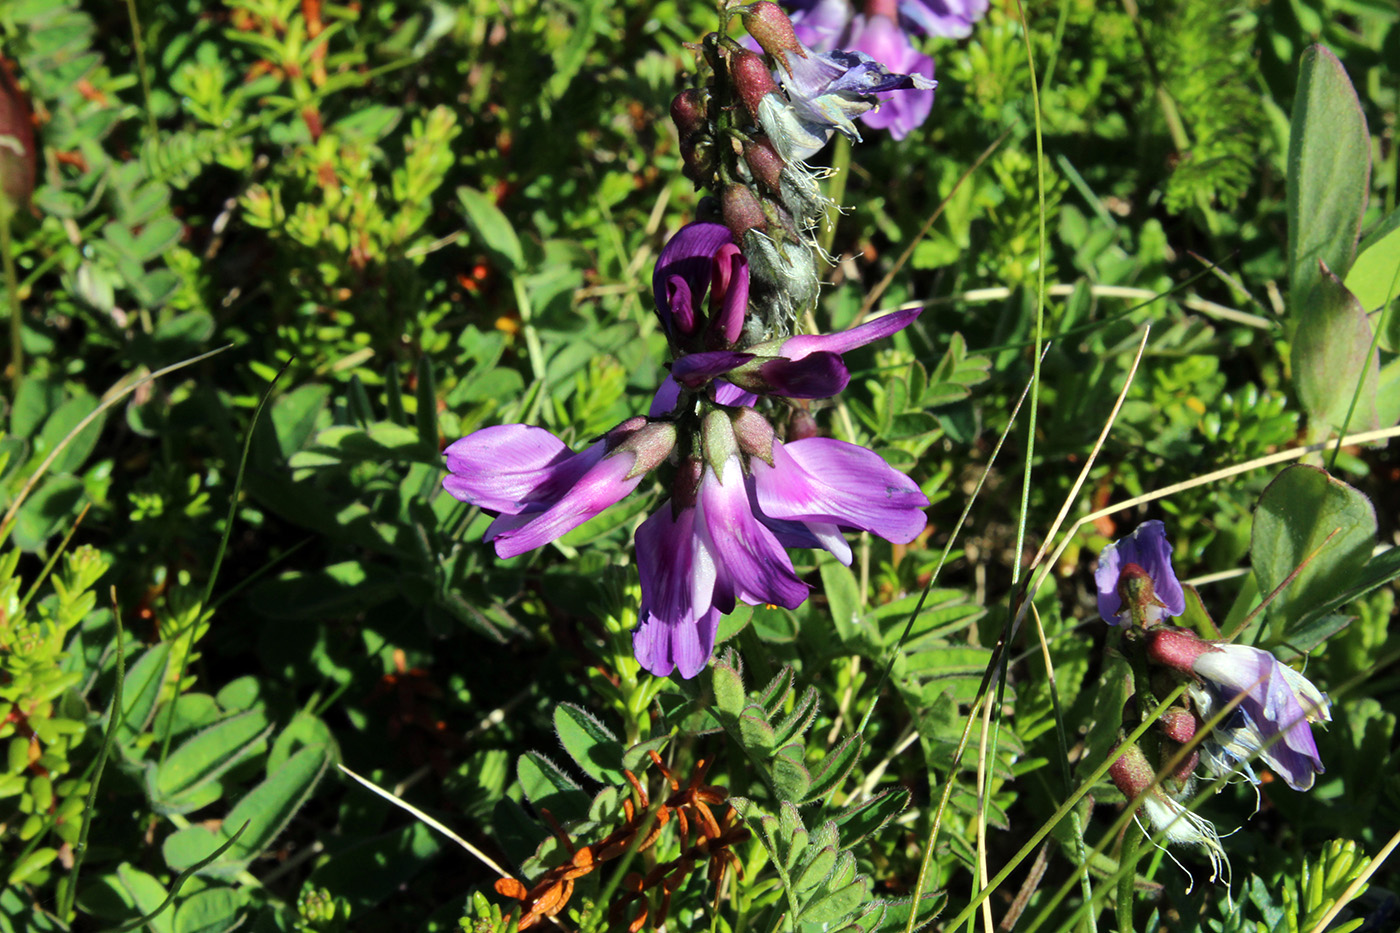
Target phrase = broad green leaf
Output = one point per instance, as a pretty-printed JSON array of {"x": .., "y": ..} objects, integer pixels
[
  {"x": 140, "y": 691},
  {"x": 264, "y": 810},
  {"x": 1329, "y": 166},
  {"x": 592, "y": 747},
  {"x": 843, "y": 595},
  {"x": 1302, "y": 512},
  {"x": 294, "y": 416},
  {"x": 1379, "y": 570},
  {"x": 202, "y": 759},
  {"x": 1375, "y": 276},
  {"x": 213, "y": 910},
  {"x": 492, "y": 231},
  {"x": 146, "y": 895},
  {"x": 61, "y": 424},
  {"x": 1332, "y": 354}
]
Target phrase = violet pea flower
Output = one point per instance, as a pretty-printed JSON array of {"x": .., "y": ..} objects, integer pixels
[
  {"x": 826, "y": 484},
  {"x": 1148, "y": 550},
  {"x": 952, "y": 19},
  {"x": 701, "y": 258},
  {"x": 806, "y": 366},
  {"x": 881, "y": 39},
  {"x": 1277, "y": 704},
  {"x": 540, "y": 488}
]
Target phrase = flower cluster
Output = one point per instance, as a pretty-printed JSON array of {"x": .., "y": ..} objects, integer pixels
[
  {"x": 1264, "y": 708},
  {"x": 728, "y": 291}
]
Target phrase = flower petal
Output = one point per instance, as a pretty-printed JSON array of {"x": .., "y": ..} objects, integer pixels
[
  {"x": 824, "y": 480},
  {"x": 794, "y": 348},
  {"x": 1147, "y": 547},
  {"x": 509, "y": 467},
  {"x": 602, "y": 486},
  {"x": 751, "y": 565}
]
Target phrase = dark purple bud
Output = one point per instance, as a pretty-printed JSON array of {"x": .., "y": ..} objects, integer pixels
[
  {"x": 742, "y": 211},
  {"x": 817, "y": 375},
  {"x": 765, "y": 163},
  {"x": 698, "y": 159},
  {"x": 686, "y": 483},
  {"x": 688, "y": 112},
  {"x": 1186, "y": 768},
  {"x": 18, "y": 161},
  {"x": 772, "y": 30},
  {"x": 729, "y": 296},
  {"x": 752, "y": 79}
]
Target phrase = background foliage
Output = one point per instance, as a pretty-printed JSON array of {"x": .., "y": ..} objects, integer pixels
[{"x": 398, "y": 221}]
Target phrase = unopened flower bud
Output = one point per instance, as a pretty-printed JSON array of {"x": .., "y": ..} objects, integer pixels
[
  {"x": 688, "y": 112},
  {"x": 718, "y": 441},
  {"x": 698, "y": 159},
  {"x": 765, "y": 163},
  {"x": 1178, "y": 724},
  {"x": 742, "y": 211},
  {"x": 18, "y": 161},
  {"x": 772, "y": 30},
  {"x": 1139, "y": 599},
  {"x": 1131, "y": 773},
  {"x": 751, "y": 78}
]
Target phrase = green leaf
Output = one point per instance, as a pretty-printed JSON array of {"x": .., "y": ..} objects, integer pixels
[
  {"x": 1296, "y": 515},
  {"x": 1329, "y": 166},
  {"x": 1375, "y": 276},
  {"x": 595, "y": 749},
  {"x": 492, "y": 231},
  {"x": 547, "y": 787},
  {"x": 146, "y": 895},
  {"x": 1331, "y": 354},
  {"x": 62, "y": 423},
  {"x": 213, "y": 910},
  {"x": 294, "y": 416},
  {"x": 264, "y": 811},
  {"x": 757, "y": 734},
  {"x": 790, "y": 775},
  {"x": 202, "y": 759},
  {"x": 727, "y": 681},
  {"x": 834, "y": 767},
  {"x": 1379, "y": 570},
  {"x": 35, "y": 861},
  {"x": 870, "y": 816},
  {"x": 140, "y": 691},
  {"x": 843, "y": 595}
]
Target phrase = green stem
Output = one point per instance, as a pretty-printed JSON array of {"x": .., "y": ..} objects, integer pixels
[
  {"x": 836, "y": 190},
  {"x": 139, "y": 45},
  {"x": 1127, "y": 863},
  {"x": 12, "y": 290}
]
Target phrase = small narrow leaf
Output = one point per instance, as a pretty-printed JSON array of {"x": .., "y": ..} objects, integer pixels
[
  {"x": 833, "y": 769},
  {"x": 492, "y": 231},
  {"x": 589, "y": 743}
]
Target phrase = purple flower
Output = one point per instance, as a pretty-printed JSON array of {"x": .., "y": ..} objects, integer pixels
[
  {"x": 1147, "y": 550},
  {"x": 819, "y": 24},
  {"x": 805, "y": 366},
  {"x": 949, "y": 18},
  {"x": 881, "y": 39},
  {"x": 701, "y": 258},
  {"x": 673, "y": 632},
  {"x": 824, "y": 484},
  {"x": 1272, "y": 720},
  {"x": 540, "y": 488},
  {"x": 828, "y": 90}
]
